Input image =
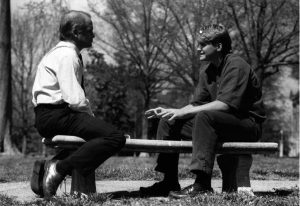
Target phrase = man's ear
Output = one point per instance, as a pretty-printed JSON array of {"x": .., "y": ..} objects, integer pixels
[
  {"x": 75, "y": 32},
  {"x": 219, "y": 47}
]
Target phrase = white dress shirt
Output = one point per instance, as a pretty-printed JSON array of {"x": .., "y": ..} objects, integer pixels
[{"x": 58, "y": 79}]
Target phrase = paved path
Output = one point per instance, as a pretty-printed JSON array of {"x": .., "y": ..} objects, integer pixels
[{"x": 22, "y": 192}]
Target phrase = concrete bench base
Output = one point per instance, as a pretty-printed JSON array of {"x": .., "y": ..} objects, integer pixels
[
  {"x": 82, "y": 184},
  {"x": 235, "y": 160},
  {"x": 237, "y": 175}
]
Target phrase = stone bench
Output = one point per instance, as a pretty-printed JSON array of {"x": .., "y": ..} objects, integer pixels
[{"x": 236, "y": 154}]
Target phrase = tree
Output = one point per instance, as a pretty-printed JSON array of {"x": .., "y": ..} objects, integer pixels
[
  {"x": 139, "y": 27},
  {"x": 109, "y": 93},
  {"x": 278, "y": 97},
  {"x": 7, "y": 146},
  {"x": 165, "y": 32},
  {"x": 267, "y": 33},
  {"x": 34, "y": 32},
  {"x": 186, "y": 18}
]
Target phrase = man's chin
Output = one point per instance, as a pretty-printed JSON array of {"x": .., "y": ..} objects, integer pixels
[{"x": 88, "y": 45}]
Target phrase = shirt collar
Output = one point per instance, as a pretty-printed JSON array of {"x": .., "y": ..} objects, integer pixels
[
  {"x": 224, "y": 60},
  {"x": 68, "y": 44}
]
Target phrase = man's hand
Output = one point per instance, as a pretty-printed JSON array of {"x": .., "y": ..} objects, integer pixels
[
  {"x": 166, "y": 114},
  {"x": 171, "y": 114},
  {"x": 153, "y": 113}
]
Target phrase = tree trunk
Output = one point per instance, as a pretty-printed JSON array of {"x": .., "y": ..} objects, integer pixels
[
  {"x": 7, "y": 145},
  {"x": 24, "y": 144},
  {"x": 144, "y": 127},
  {"x": 141, "y": 125}
]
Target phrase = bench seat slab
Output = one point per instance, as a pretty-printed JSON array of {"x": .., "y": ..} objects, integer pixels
[{"x": 163, "y": 146}]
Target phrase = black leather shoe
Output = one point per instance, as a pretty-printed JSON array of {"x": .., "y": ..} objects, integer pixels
[
  {"x": 190, "y": 191},
  {"x": 36, "y": 181},
  {"x": 52, "y": 179},
  {"x": 159, "y": 189}
]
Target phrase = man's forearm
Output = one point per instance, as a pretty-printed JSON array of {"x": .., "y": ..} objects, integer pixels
[
  {"x": 215, "y": 105},
  {"x": 83, "y": 106}
]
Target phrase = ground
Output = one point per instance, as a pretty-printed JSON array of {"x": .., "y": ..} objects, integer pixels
[{"x": 274, "y": 180}]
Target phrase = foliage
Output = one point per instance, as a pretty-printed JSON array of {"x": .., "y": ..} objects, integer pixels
[
  {"x": 34, "y": 32},
  {"x": 278, "y": 99},
  {"x": 154, "y": 44},
  {"x": 108, "y": 88},
  {"x": 158, "y": 40},
  {"x": 138, "y": 29},
  {"x": 266, "y": 33},
  {"x": 180, "y": 51}
]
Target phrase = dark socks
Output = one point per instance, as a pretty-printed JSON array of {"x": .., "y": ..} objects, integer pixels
[
  {"x": 203, "y": 179},
  {"x": 171, "y": 178}
]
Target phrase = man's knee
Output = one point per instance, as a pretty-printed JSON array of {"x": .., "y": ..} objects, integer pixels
[
  {"x": 163, "y": 124},
  {"x": 121, "y": 139},
  {"x": 163, "y": 130},
  {"x": 118, "y": 138}
]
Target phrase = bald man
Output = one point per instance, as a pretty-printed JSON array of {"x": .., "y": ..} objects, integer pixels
[{"x": 61, "y": 107}]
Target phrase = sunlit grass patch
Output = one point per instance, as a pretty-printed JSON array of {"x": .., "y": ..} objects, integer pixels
[
  {"x": 5, "y": 200},
  {"x": 16, "y": 169},
  {"x": 215, "y": 199},
  {"x": 209, "y": 199},
  {"x": 65, "y": 200}
]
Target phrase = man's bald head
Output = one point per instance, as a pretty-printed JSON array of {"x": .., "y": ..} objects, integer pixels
[{"x": 71, "y": 21}]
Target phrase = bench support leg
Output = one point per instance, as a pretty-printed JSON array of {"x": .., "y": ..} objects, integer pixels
[
  {"x": 235, "y": 172},
  {"x": 82, "y": 184}
]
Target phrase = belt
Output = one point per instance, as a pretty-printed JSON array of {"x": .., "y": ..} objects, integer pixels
[{"x": 52, "y": 106}]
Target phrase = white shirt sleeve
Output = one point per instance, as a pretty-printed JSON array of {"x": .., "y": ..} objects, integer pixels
[{"x": 69, "y": 77}]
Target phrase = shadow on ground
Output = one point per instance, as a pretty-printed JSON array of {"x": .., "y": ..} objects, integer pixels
[
  {"x": 137, "y": 194},
  {"x": 124, "y": 194},
  {"x": 277, "y": 192}
]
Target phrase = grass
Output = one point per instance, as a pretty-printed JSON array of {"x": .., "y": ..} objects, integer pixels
[
  {"x": 15, "y": 169},
  {"x": 220, "y": 199},
  {"x": 263, "y": 168}
]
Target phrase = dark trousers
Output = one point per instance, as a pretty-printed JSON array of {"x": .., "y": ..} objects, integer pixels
[
  {"x": 103, "y": 139},
  {"x": 205, "y": 129}
]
